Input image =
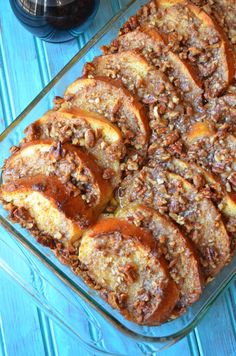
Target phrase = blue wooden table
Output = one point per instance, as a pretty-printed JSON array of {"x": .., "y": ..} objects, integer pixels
[{"x": 26, "y": 66}]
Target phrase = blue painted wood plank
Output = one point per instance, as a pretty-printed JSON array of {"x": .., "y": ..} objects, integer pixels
[
  {"x": 20, "y": 58},
  {"x": 66, "y": 344},
  {"x": 8, "y": 109},
  {"x": 231, "y": 303},
  {"x": 57, "y": 56},
  {"x": 215, "y": 333},
  {"x": 20, "y": 328},
  {"x": 2, "y": 114},
  {"x": 48, "y": 334},
  {"x": 3, "y": 347},
  {"x": 183, "y": 347}
]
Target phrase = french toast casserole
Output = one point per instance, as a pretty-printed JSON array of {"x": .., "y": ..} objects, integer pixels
[{"x": 131, "y": 177}]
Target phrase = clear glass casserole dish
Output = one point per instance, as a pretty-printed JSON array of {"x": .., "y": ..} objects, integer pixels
[{"x": 86, "y": 316}]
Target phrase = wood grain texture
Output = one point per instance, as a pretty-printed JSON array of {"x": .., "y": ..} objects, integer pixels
[{"x": 26, "y": 65}]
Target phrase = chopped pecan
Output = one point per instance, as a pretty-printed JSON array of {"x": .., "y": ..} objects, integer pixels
[
  {"x": 89, "y": 138},
  {"x": 130, "y": 272}
]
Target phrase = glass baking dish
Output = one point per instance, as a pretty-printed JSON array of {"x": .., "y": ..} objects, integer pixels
[{"x": 87, "y": 316}]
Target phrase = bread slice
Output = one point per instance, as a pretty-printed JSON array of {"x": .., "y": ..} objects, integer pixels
[
  {"x": 76, "y": 169},
  {"x": 222, "y": 112},
  {"x": 182, "y": 261},
  {"x": 227, "y": 8},
  {"x": 215, "y": 152},
  {"x": 152, "y": 46},
  {"x": 120, "y": 260},
  {"x": 218, "y": 116},
  {"x": 212, "y": 187},
  {"x": 199, "y": 177},
  {"x": 141, "y": 78},
  {"x": 195, "y": 214},
  {"x": 111, "y": 99},
  {"x": 223, "y": 11},
  {"x": 90, "y": 131},
  {"x": 43, "y": 206},
  {"x": 195, "y": 36}
]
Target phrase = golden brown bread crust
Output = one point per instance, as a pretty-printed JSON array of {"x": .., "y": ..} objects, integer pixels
[
  {"x": 51, "y": 195},
  {"x": 90, "y": 131},
  {"x": 76, "y": 169},
  {"x": 119, "y": 259},
  {"x": 182, "y": 260},
  {"x": 152, "y": 46},
  {"x": 186, "y": 28},
  {"x": 195, "y": 214},
  {"x": 111, "y": 99}
]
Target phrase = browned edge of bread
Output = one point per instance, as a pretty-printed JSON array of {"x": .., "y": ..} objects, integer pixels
[{"x": 166, "y": 299}]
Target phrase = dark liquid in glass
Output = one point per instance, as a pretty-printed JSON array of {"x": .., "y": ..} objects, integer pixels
[{"x": 55, "y": 20}]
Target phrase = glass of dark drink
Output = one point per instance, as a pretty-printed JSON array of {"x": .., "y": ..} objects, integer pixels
[{"x": 55, "y": 20}]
